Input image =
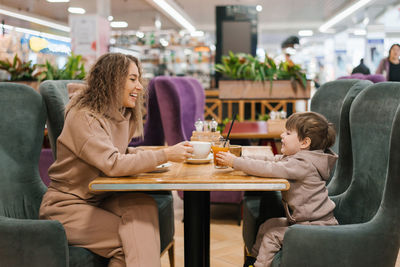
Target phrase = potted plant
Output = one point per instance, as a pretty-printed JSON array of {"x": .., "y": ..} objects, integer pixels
[
  {"x": 74, "y": 69},
  {"x": 21, "y": 71},
  {"x": 249, "y": 78}
]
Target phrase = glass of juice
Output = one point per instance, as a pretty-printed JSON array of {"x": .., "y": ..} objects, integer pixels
[{"x": 218, "y": 146}]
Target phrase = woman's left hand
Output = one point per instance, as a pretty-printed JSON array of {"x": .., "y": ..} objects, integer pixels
[{"x": 226, "y": 158}]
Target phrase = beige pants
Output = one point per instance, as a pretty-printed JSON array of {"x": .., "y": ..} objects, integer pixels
[
  {"x": 270, "y": 238},
  {"x": 269, "y": 241},
  {"x": 123, "y": 227}
]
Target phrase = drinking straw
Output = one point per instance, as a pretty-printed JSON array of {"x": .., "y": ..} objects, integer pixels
[{"x": 230, "y": 128}]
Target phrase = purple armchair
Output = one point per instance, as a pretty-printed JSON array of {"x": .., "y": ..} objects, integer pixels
[
  {"x": 375, "y": 78},
  {"x": 173, "y": 106}
]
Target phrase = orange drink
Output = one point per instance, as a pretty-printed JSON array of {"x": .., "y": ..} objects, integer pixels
[{"x": 216, "y": 147}]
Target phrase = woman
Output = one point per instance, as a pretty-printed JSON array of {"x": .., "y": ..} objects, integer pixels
[
  {"x": 100, "y": 121},
  {"x": 390, "y": 66}
]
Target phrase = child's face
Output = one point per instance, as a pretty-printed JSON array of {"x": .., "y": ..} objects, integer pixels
[{"x": 291, "y": 143}]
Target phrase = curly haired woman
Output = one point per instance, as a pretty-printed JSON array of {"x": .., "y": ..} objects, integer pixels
[{"x": 100, "y": 121}]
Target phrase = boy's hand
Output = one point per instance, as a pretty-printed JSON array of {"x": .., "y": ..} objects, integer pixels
[{"x": 226, "y": 158}]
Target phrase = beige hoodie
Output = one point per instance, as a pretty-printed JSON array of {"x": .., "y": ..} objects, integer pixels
[
  {"x": 91, "y": 146},
  {"x": 307, "y": 172}
]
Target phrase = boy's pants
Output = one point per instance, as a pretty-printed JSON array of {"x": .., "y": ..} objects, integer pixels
[{"x": 269, "y": 241}]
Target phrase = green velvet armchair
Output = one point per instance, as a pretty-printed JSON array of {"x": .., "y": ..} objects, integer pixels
[
  {"x": 368, "y": 211},
  {"x": 26, "y": 240},
  {"x": 333, "y": 100},
  {"x": 56, "y": 96}
]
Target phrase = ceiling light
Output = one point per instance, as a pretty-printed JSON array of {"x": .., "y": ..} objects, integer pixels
[
  {"x": 110, "y": 18},
  {"x": 259, "y": 8},
  {"x": 119, "y": 24},
  {"x": 41, "y": 34},
  {"x": 76, "y": 10},
  {"x": 58, "y": 1},
  {"x": 305, "y": 33},
  {"x": 343, "y": 14},
  {"x": 44, "y": 22},
  {"x": 197, "y": 34},
  {"x": 175, "y": 15},
  {"x": 360, "y": 32}
]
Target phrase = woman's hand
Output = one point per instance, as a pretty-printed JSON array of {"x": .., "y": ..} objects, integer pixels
[
  {"x": 179, "y": 152},
  {"x": 225, "y": 158}
]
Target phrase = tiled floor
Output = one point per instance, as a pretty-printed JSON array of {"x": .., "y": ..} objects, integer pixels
[{"x": 226, "y": 243}]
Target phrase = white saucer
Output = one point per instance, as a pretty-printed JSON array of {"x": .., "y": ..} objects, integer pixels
[
  {"x": 163, "y": 167},
  {"x": 200, "y": 161}
]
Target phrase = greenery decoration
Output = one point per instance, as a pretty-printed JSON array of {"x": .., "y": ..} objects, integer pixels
[
  {"x": 19, "y": 70},
  {"x": 246, "y": 67},
  {"x": 74, "y": 69}
]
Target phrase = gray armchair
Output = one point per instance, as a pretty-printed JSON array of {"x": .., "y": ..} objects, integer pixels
[
  {"x": 55, "y": 94},
  {"x": 333, "y": 100},
  {"x": 26, "y": 240},
  {"x": 368, "y": 211}
]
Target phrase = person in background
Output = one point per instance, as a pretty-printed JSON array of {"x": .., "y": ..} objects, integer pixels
[
  {"x": 306, "y": 162},
  {"x": 361, "y": 68},
  {"x": 390, "y": 66},
  {"x": 100, "y": 121}
]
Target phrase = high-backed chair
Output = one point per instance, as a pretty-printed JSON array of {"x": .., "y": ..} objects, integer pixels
[
  {"x": 173, "y": 106},
  {"x": 26, "y": 240},
  {"x": 368, "y": 211},
  {"x": 59, "y": 100},
  {"x": 55, "y": 94},
  {"x": 180, "y": 104},
  {"x": 153, "y": 133},
  {"x": 333, "y": 100}
]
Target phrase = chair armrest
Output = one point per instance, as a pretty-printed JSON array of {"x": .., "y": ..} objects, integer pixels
[
  {"x": 363, "y": 244},
  {"x": 32, "y": 243}
]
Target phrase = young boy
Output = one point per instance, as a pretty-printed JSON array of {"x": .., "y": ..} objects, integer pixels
[{"x": 306, "y": 161}]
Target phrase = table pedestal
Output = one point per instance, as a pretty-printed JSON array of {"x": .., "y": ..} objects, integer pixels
[{"x": 196, "y": 212}]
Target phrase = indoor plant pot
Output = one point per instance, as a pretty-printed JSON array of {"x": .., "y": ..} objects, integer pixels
[{"x": 278, "y": 89}]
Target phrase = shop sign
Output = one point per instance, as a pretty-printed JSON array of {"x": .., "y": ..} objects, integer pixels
[{"x": 47, "y": 46}]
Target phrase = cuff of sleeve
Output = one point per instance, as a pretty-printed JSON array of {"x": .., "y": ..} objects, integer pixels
[
  {"x": 237, "y": 163},
  {"x": 160, "y": 156}
]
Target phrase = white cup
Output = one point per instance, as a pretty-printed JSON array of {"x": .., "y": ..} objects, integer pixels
[{"x": 201, "y": 150}]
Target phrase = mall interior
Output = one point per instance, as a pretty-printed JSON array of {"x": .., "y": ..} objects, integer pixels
[{"x": 212, "y": 75}]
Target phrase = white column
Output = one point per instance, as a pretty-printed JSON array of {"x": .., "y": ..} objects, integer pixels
[{"x": 90, "y": 32}]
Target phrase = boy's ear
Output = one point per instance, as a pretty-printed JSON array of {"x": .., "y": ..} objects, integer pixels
[{"x": 305, "y": 143}]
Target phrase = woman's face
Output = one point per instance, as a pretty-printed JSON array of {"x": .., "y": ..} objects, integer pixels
[
  {"x": 132, "y": 87},
  {"x": 395, "y": 52}
]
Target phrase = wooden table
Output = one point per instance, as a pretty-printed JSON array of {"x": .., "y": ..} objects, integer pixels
[
  {"x": 250, "y": 130},
  {"x": 196, "y": 181}
]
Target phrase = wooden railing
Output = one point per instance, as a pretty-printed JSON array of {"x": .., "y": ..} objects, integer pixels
[{"x": 246, "y": 109}]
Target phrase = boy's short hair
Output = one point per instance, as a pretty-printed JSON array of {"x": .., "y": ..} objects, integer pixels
[{"x": 314, "y": 126}]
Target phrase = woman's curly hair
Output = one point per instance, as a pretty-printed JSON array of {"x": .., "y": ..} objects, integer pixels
[{"x": 105, "y": 87}]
